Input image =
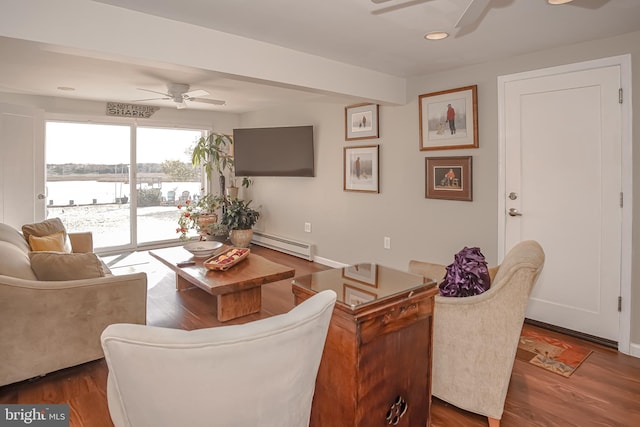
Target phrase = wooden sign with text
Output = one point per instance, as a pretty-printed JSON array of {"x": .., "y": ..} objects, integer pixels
[{"x": 130, "y": 110}]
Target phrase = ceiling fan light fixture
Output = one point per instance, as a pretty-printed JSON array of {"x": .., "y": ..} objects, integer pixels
[
  {"x": 556, "y": 2},
  {"x": 436, "y": 35}
]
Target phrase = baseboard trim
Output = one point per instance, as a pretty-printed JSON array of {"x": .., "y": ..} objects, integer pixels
[
  {"x": 634, "y": 350},
  {"x": 328, "y": 262},
  {"x": 575, "y": 334}
]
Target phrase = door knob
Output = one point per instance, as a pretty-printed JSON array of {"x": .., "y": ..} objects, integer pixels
[
  {"x": 514, "y": 212},
  {"x": 41, "y": 196}
]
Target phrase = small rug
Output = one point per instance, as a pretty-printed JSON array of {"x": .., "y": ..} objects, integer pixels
[{"x": 550, "y": 353}]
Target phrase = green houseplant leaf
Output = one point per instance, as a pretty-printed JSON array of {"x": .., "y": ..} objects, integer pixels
[
  {"x": 237, "y": 215},
  {"x": 212, "y": 153}
]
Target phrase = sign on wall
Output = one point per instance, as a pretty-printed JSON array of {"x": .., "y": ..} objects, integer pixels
[{"x": 130, "y": 110}]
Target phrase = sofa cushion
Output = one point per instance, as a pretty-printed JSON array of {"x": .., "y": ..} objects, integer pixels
[
  {"x": 52, "y": 242},
  {"x": 62, "y": 266},
  {"x": 14, "y": 262},
  {"x": 46, "y": 228}
]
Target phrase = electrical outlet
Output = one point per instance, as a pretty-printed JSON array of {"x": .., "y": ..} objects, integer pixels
[
  {"x": 307, "y": 227},
  {"x": 387, "y": 242}
]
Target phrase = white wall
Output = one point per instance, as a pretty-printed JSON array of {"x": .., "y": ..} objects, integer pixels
[{"x": 349, "y": 227}]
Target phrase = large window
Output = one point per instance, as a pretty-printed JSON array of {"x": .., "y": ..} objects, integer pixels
[
  {"x": 92, "y": 187},
  {"x": 165, "y": 178}
]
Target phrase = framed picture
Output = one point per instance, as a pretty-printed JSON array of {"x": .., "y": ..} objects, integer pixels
[
  {"x": 366, "y": 273},
  {"x": 361, "y": 121},
  {"x": 449, "y": 119},
  {"x": 448, "y": 178},
  {"x": 361, "y": 169},
  {"x": 355, "y": 296}
]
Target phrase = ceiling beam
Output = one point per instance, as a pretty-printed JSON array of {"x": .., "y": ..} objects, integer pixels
[{"x": 101, "y": 29}]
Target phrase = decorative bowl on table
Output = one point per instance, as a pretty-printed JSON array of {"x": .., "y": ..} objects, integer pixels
[
  {"x": 204, "y": 249},
  {"x": 227, "y": 259}
]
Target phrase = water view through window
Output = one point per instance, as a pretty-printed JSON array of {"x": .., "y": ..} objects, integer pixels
[
  {"x": 165, "y": 178},
  {"x": 89, "y": 180}
]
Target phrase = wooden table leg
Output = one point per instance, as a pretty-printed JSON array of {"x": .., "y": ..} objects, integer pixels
[
  {"x": 237, "y": 304},
  {"x": 182, "y": 283}
]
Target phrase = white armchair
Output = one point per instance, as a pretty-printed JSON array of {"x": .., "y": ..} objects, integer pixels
[
  {"x": 475, "y": 338},
  {"x": 261, "y": 373}
]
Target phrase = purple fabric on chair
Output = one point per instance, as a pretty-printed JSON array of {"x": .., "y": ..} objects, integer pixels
[{"x": 468, "y": 275}]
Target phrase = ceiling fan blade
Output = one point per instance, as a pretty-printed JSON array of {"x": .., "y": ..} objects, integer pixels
[
  {"x": 208, "y": 101},
  {"x": 155, "y": 91},
  {"x": 398, "y": 6},
  {"x": 149, "y": 99},
  {"x": 195, "y": 93},
  {"x": 589, "y": 4},
  {"x": 472, "y": 13}
]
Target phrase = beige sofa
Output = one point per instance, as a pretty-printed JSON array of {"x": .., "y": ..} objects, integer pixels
[{"x": 50, "y": 325}]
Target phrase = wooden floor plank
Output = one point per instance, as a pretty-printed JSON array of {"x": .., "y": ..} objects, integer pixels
[{"x": 604, "y": 391}]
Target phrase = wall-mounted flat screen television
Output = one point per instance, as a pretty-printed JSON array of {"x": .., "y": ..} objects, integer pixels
[{"x": 274, "y": 151}]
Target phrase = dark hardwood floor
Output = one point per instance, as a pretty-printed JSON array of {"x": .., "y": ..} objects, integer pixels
[{"x": 604, "y": 391}]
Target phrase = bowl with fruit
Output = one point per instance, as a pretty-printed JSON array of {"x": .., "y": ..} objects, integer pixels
[{"x": 227, "y": 259}]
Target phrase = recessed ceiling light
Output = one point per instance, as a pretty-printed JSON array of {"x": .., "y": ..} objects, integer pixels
[
  {"x": 559, "y": 1},
  {"x": 436, "y": 35},
  {"x": 67, "y": 88}
]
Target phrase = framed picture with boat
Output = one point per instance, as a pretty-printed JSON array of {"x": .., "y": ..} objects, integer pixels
[{"x": 448, "y": 178}]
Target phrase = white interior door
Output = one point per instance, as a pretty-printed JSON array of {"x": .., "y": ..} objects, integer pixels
[
  {"x": 22, "y": 191},
  {"x": 562, "y": 171}
]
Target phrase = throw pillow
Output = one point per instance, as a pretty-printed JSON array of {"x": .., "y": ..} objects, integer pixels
[
  {"x": 61, "y": 266},
  {"x": 468, "y": 275},
  {"x": 46, "y": 228},
  {"x": 53, "y": 242}
]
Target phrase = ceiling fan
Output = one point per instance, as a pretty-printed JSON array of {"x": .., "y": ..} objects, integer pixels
[
  {"x": 180, "y": 94},
  {"x": 473, "y": 11}
]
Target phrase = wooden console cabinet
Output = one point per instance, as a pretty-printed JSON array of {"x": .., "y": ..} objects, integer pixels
[{"x": 376, "y": 365}]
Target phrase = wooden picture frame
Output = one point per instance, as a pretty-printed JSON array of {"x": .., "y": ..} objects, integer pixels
[
  {"x": 437, "y": 131},
  {"x": 448, "y": 178},
  {"x": 361, "y": 121},
  {"x": 355, "y": 296},
  {"x": 361, "y": 169}
]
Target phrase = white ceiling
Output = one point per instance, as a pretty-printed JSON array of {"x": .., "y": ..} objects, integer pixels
[{"x": 385, "y": 37}]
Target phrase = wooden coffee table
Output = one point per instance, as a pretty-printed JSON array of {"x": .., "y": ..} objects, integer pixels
[{"x": 238, "y": 290}]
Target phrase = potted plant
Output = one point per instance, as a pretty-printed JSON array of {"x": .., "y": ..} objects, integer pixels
[
  {"x": 200, "y": 215},
  {"x": 213, "y": 153},
  {"x": 232, "y": 190},
  {"x": 239, "y": 218}
]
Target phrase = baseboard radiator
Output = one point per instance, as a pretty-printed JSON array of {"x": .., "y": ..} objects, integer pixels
[{"x": 283, "y": 244}]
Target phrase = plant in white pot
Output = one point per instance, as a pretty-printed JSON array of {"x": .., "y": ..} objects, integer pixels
[
  {"x": 232, "y": 190},
  {"x": 239, "y": 218}
]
